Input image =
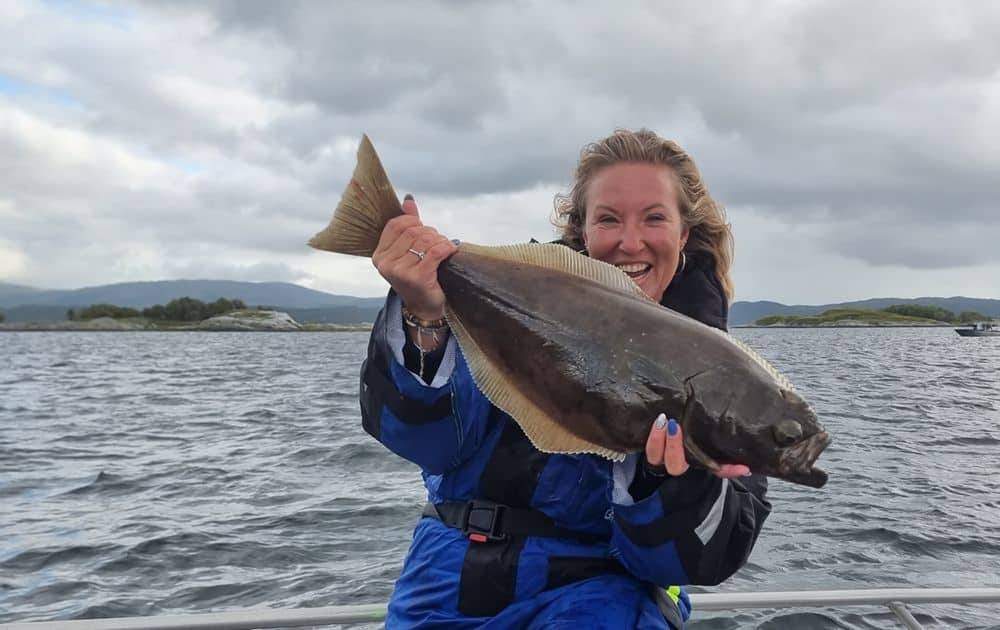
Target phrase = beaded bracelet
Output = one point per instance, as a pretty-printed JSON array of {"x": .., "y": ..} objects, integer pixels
[{"x": 429, "y": 324}]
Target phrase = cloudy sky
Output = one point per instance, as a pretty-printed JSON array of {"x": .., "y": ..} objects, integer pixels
[{"x": 855, "y": 145}]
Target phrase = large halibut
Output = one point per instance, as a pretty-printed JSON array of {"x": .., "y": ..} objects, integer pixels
[{"x": 584, "y": 361}]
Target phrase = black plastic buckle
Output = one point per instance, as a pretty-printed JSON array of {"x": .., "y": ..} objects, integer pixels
[{"x": 481, "y": 522}]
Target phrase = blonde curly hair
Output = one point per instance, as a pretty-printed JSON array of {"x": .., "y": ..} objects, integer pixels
[{"x": 710, "y": 233}]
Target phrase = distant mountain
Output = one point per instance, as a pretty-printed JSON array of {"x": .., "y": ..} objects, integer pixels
[
  {"x": 742, "y": 313},
  {"x": 14, "y": 294},
  {"x": 143, "y": 294},
  {"x": 336, "y": 314},
  {"x": 746, "y": 312},
  {"x": 8, "y": 287},
  {"x": 22, "y": 303},
  {"x": 20, "y": 314}
]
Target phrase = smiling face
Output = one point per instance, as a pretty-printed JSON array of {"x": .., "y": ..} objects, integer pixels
[{"x": 633, "y": 221}]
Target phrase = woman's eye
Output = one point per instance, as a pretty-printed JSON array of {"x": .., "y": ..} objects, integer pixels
[
  {"x": 606, "y": 219},
  {"x": 656, "y": 217}
]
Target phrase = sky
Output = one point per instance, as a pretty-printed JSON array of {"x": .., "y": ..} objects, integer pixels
[{"x": 854, "y": 145}]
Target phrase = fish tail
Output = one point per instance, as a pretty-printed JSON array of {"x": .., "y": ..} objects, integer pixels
[{"x": 368, "y": 203}]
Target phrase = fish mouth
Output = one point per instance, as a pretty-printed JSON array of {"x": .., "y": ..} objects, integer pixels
[{"x": 797, "y": 461}]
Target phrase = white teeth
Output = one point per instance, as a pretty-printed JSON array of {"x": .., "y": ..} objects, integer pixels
[{"x": 634, "y": 267}]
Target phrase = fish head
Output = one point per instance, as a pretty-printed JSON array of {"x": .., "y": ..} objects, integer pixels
[
  {"x": 796, "y": 438},
  {"x": 775, "y": 433}
]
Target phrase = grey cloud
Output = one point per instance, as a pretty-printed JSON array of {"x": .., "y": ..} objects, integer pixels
[
  {"x": 273, "y": 272},
  {"x": 823, "y": 80},
  {"x": 843, "y": 114},
  {"x": 942, "y": 244}
]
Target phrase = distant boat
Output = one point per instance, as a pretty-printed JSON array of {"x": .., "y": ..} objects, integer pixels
[{"x": 980, "y": 329}]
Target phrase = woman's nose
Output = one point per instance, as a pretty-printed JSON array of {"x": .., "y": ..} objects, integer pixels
[{"x": 631, "y": 240}]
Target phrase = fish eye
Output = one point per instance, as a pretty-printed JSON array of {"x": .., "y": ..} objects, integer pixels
[{"x": 787, "y": 432}]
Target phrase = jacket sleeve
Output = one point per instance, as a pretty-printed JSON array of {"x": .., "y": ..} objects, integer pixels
[
  {"x": 437, "y": 425},
  {"x": 693, "y": 529}
]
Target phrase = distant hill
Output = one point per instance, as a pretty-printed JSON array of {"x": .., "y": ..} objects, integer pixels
[
  {"x": 143, "y": 294},
  {"x": 742, "y": 313},
  {"x": 22, "y": 303},
  {"x": 20, "y": 314},
  {"x": 336, "y": 314},
  {"x": 14, "y": 294},
  {"x": 7, "y": 287}
]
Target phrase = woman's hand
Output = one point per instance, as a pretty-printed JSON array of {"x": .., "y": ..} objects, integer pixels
[
  {"x": 665, "y": 447},
  {"x": 408, "y": 255}
]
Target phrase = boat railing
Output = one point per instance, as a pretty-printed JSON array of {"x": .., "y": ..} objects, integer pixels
[{"x": 896, "y": 600}]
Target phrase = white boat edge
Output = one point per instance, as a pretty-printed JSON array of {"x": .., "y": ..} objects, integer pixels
[{"x": 895, "y": 599}]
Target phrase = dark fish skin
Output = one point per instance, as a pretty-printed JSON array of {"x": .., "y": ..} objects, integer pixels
[
  {"x": 603, "y": 365},
  {"x": 584, "y": 362}
]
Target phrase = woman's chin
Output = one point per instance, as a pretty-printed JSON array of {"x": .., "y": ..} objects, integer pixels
[
  {"x": 646, "y": 284},
  {"x": 652, "y": 289}
]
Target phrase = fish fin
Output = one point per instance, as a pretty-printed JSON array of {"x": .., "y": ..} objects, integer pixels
[
  {"x": 562, "y": 258},
  {"x": 368, "y": 203},
  {"x": 544, "y": 433},
  {"x": 780, "y": 378},
  {"x": 699, "y": 456}
]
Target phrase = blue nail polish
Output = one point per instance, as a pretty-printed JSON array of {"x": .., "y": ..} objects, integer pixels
[
  {"x": 661, "y": 421},
  {"x": 408, "y": 197},
  {"x": 672, "y": 427},
  {"x": 456, "y": 241}
]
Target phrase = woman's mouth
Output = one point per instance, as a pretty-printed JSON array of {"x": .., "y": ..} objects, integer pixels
[{"x": 635, "y": 270}]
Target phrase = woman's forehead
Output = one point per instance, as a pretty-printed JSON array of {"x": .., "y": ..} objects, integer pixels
[{"x": 629, "y": 184}]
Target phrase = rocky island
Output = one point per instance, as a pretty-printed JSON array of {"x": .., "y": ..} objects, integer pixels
[
  {"x": 181, "y": 314},
  {"x": 900, "y": 315},
  {"x": 237, "y": 321}
]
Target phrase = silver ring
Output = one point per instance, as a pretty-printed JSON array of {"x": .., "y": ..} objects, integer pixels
[{"x": 420, "y": 255}]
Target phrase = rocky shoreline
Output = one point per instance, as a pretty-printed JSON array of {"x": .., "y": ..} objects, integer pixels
[
  {"x": 852, "y": 324},
  {"x": 278, "y": 321},
  {"x": 242, "y": 321}
]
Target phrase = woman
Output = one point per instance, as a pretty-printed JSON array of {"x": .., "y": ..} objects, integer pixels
[{"x": 513, "y": 537}]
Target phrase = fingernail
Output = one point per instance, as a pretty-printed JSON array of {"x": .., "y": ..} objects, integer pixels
[
  {"x": 408, "y": 197},
  {"x": 456, "y": 241},
  {"x": 672, "y": 427},
  {"x": 661, "y": 421},
  {"x": 747, "y": 474}
]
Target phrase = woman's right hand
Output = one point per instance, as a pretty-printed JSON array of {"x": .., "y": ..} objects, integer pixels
[{"x": 412, "y": 276}]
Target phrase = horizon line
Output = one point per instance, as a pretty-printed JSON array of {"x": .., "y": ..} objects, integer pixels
[{"x": 296, "y": 284}]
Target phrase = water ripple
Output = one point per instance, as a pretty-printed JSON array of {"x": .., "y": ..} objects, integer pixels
[{"x": 155, "y": 473}]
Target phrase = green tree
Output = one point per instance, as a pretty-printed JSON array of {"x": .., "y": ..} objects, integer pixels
[
  {"x": 223, "y": 305},
  {"x": 106, "y": 310},
  {"x": 2, "y": 317},
  {"x": 770, "y": 320},
  {"x": 922, "y": 310},
  {"x": 967, "y": 317},
  {"x": 70, "y": 315},
  {"x": 185, "y": 309},
  {"x": 218, "y": 307},
  {"x": 156, "y": 312}
]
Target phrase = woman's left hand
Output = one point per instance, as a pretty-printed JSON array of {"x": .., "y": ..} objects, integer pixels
[{"x": 665, "y": 447}]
